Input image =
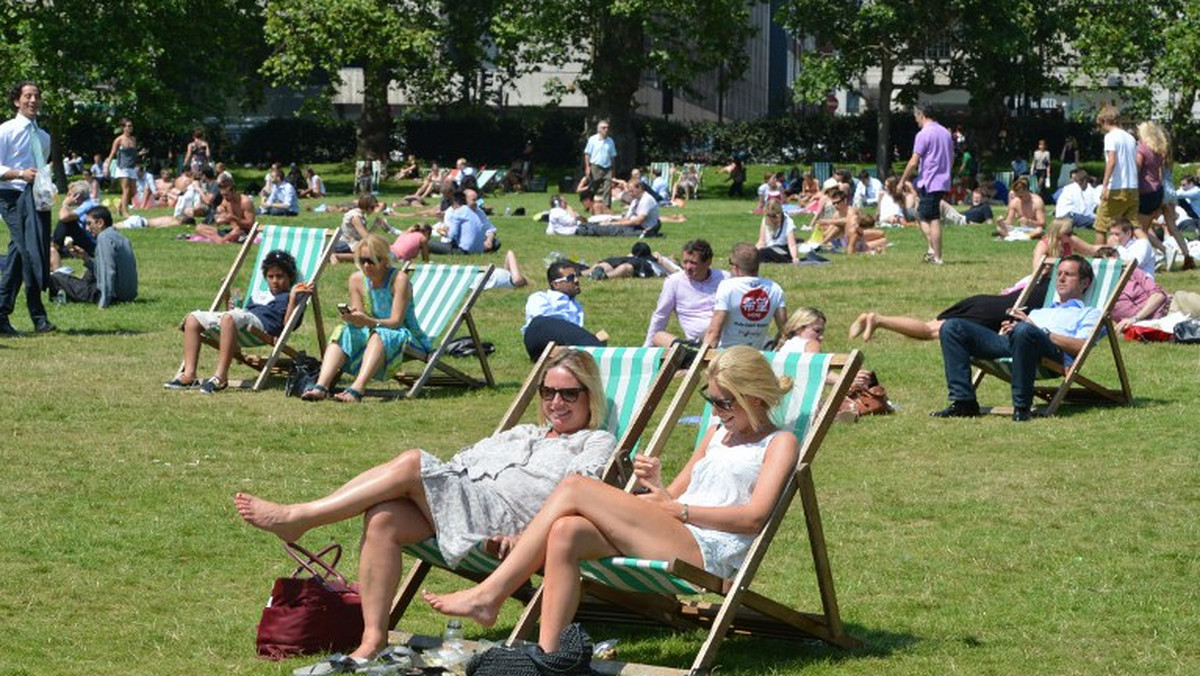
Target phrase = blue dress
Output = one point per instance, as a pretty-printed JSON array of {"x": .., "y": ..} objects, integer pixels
[{"x": 378, "y": 304}]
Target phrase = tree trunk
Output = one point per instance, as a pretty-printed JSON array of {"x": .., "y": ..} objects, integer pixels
[
  {"x": 883, "y": 117},
  {"x": 375, "y": 126},
  {"x": 616, "y": 73}
]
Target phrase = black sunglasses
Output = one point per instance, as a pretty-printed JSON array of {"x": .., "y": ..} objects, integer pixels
[
  {"x": 568, "y": 394},
  {"x": 725, "y": 404}
]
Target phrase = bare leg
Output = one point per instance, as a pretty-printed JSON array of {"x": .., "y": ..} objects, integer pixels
[
  {"x": 933, "y": 232},
  {"x": 510, "y": 264},
  {"x": 127, "y": 186},
  {"x": 397, "y": 479},
  {"x": 331, "y": 365},
  {"x": 229, "y": 348},
  {"x": 387, "y": 528},
  {"x": 909, "y": 327},
  {"x": 191, "y": 348},
  {"x": 372, "y": 361},
  {"x": 662, "y": 339},
  {"x": 626, "y": 522},
  {"x": 622, "y": 270}
]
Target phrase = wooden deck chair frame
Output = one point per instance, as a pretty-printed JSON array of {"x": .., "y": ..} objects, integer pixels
[
  {"x": 1074, "y": 385},
  {"x": 436, "y": 371},
  {"x": 637, "y": 414},
  {"x": 742, "y": 611},
  {"x": 278, "y": 345}
]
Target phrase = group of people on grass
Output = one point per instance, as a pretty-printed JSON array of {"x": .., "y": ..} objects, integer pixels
[{"x": 532, "y": 490}]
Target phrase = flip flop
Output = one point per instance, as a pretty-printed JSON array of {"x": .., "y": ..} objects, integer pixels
[
  {"x": 315, "y": 393},
  {"x": 349, "y": 396}
]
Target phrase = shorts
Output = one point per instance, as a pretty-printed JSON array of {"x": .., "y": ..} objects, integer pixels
[
  {"x": 118, "y": 172},
  {"x": 929, "y": 208},
  {"x": 1120, "y": 204},
  {"x": 500, "y": 279},
  {"x": 1150, "y": 202},
  {"x": 242, "y": 319}
]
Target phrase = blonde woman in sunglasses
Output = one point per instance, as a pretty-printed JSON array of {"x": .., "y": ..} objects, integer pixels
[
  {"x": 707, "y": 516},
  {"x": 488, "y": 491}
]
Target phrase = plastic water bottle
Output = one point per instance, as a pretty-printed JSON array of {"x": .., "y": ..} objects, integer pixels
[
  {"x": 508, "y": 211},
  {"x": 60, "y": 298},
  {"x": 453, "y": 636},
  {"x": 235, "y": 299}
]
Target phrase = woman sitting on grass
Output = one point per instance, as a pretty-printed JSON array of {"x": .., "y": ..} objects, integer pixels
[
  {"x": 264, "y": 316},
  {"x": 376, "y": 326},
  {"x": 776, "y": 236},
  {"x": 493, "y": 488},
  {"x": 707, "y": 517}
]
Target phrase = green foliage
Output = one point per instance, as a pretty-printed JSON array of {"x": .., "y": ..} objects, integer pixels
[
  {"x": 296, "y": 140},
  {"x": 116, "y": 58}
]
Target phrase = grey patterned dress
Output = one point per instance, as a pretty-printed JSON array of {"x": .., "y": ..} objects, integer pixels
[{"x": 496, "y": 486}]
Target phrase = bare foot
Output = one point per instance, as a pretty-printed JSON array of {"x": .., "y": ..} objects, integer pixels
[
  {"x": 856, "y": 327},
  {"x": 467, "y": 603},
  {"x": 869, "y": 329},
  {"x": 269, "y": 516}
]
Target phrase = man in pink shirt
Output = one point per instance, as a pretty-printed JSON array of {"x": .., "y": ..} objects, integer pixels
[
  {"x": 688, "y": 294},
  {"x": 933, "y": 151}
]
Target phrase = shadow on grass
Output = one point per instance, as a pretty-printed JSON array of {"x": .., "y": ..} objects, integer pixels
[
  {"x": 746, "y": 654},
  {"x": 101, "y": 332}
]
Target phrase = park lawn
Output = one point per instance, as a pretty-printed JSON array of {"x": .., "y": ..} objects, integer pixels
[{"x": 1062, "y": 546}]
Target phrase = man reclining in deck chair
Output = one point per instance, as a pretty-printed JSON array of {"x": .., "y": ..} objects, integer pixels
[
  {"x": 279, "y": 269},
  {"x": 1056, "y": 332}
]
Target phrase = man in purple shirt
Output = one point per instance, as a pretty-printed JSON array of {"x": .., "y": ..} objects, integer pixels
[
  {"x": 933, "y": 150},
  {"x": 689, "y": 294}
]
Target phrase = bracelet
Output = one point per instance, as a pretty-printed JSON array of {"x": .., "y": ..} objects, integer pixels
[{"x": 683, "y": 513}]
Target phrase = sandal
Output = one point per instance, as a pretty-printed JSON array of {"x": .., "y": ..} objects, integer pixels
[
  {"x": 315, "y": 393},
  {"x": 349, "y": 396}
]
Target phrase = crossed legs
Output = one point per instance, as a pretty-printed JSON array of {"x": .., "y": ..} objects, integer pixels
[
  {"x": 395, "y": 513},
  {"x": 583, "y": 519}
]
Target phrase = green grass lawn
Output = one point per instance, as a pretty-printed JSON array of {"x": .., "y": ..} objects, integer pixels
[{"x": 1061, "y": 546}]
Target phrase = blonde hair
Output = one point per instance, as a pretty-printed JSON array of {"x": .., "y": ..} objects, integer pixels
[
  {"x": 745, "y": 374},
  {"x": 1155, "y": 138},
  {"x": 1020, "y": 185},
  {"x": 1108, "y": 115},
  {"x": 1058, "y": 229},
  {"x": 79, "y": 188},
  {"x": 375, "y": 247},
  {"x": 580, "y": 365},
  {"x": 801, "y": 318}
]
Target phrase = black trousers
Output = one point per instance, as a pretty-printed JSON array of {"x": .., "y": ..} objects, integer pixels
[
  {"x": 19, "y": 266},
  {"x": 544, "y": 330}
]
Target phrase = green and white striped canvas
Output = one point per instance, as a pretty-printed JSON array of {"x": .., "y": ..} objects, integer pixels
[
  {"x": 304, "y": 244},
  {"x": 627, "y": 374},
  {"x": 438, "y": 293},
  {"x": 795, "y": 412}
]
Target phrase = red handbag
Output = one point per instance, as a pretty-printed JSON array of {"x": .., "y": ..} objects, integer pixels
[{"x": 319, "y": 613}]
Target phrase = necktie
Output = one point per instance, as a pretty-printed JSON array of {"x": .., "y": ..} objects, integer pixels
[{"x": 35, "y": 140}]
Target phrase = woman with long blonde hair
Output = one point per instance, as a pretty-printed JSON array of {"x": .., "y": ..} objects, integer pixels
[{"x": 1155, "y": 180}]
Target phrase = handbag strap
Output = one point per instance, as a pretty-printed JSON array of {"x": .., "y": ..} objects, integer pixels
[{"x": 308, "y": 560}]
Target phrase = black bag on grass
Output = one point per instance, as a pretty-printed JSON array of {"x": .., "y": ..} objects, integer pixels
[{"x": 302, "y": 375}]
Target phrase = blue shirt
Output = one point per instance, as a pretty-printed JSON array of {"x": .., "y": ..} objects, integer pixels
[
  {"x": 285, "y": 193},
  {"x": 1072, "y": 318},
  {"x": 600, "y": 151},
  {"x": 464, "y": 229},
  {"x": 271, "y": 314},
  {"x": 552, "y": 303}
]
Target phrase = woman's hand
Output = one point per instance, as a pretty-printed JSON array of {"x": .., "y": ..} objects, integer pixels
[
  {"x": 359, "y": 318},
  {"x": 648, "y": 472},
  {"x": 499, "y": 546}
]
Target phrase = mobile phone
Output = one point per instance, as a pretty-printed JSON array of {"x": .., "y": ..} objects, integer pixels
[{"x": 343, "y": 308}]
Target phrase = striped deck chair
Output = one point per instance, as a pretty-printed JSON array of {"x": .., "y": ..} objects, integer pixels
[
  {"x": 484, "y": 179},
  {"x": 1005, "y": 177},
  {"x": 1110, "y": 277},
  {"x": 311, "y": 248},
  {"x": 665, "y": 169},
  {"x": 697, "y": 167},
  {"x": 822, "y": 171},
  {"x": 443, "y": 296},
  {"x": 635, "y": 380},
  {"x": 623, "y": 589}
]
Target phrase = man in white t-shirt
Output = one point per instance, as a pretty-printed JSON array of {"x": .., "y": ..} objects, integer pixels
[
  {"x": 1077, "y": 201},
  {"x": 640, "y": 220},
  {"x": 562, "y": 219},
  {"x": 867, "y": 190},
  {"x": 1119, "y": 187},
  {"x": 745, "y": 303}
]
